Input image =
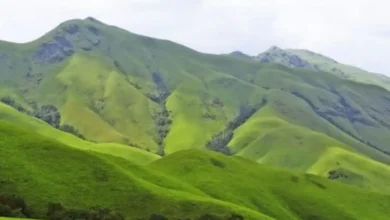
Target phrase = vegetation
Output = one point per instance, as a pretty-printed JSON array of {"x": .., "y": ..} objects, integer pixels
[
  {"x": 220, "y": 141},
  {"x": 70, "y": 129},
  {"x": 185, "y": 185},
  {"x": 14, "y": 206},
  {"x": 115, "y": 88}
]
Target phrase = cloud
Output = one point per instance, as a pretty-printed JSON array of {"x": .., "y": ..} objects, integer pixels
[{"x": 354, "y": 32}]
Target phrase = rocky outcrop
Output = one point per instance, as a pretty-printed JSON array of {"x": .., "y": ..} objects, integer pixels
[
  {"x": 277, "y": 55},
  {"x": 55, "y": 51}
]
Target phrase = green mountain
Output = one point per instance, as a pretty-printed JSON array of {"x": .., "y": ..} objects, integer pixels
[
  {"x": 306, "y": 59},
  {"x": 132, "y": 116}
]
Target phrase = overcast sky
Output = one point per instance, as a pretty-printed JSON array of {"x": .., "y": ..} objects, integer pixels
[{"x": 355, "y": 32}]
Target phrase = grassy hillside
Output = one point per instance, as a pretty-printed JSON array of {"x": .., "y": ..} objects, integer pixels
[
  {"x": 133, "y": 154},
  {"x": 268, "y": 190},
  {"x": 346, "y": 71},
  {"x": 91, "y": 180},
  {"x": 180, "y": 185},
  {"x": 120, "y": 89}
]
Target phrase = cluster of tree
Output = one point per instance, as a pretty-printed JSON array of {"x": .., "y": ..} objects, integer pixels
[
  {"x": 245, "y": 112},
  {"x": 56, "y": 211},
  {"x": 220, "y": 141},
  {"x": 203, "y": 217},
  {"x": 46, "y": 113},
  {"x": 163, "y": 125},
  {"x": 72, "y": 130},
  {"x": 162, "y": 91},
  {"x": 11, "y": 102},
  {"x": 49, "y": 114},
  {"x": 163, "y": 121},
  {"x": 159, "y": 96},
  {"x": 336, "y": 174},
  {"x": 14, "y": 206}
]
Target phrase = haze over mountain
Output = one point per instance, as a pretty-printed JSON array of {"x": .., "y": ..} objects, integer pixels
[{"x": 151, "y": 111}]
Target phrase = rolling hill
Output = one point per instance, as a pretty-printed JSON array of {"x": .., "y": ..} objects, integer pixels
[
  {"x": 185, "y": 184},
  {"x": 132, "y": 115}
]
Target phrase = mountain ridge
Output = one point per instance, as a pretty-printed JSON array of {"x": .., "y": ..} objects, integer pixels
[
  {"x": 115, "y": 86},
  {"x": 130, "y": 123}
]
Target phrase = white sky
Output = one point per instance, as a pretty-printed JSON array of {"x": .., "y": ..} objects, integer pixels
[{"x": 355, "y": 32}]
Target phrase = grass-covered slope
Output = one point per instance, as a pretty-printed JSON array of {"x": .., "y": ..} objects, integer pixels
[
  {"x": 187, "y": 184},
  {"x": 277, "y": 193},
  {"x": 133, "y": 154},
  {"x": 297, "y": 58},
  {"x": 80, "y": 179},
  {"x": 345, "y": 71},
  {"x": 116, "y": 86}
]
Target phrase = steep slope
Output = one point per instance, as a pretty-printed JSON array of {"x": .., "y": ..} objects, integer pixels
[
  {"x": 115, "y": 86},
  {"x": 296, "y": 58},
  {"x": 132, "y": 154},
  {"x": 346, "y": 71},
  {"x": 285, "y": 57}
]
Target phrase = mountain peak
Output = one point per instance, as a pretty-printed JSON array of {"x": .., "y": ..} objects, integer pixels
[
  {"x": 92, "y": 19},
  {"x": 239, "y": 54},
  {"x": 274, "y": 48}
]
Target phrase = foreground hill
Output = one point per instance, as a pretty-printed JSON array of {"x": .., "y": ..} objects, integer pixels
[
  {"x": 337, "y": 161},
  {"x": 177, "y": 186},
  {"x": 117, "y": 88}
]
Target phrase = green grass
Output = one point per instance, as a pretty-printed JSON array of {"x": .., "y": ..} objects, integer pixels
[
  {"x": 185, "y": 184},
  {"x": 81, "y": 179},
  {"x": 269, "y": 190},
  {"x": 345, "y": 71},
  {"x": 359, "y": 170},
  {"x": 105, "y": 89},
  {"x": 130, "y": 153},
  {"x": 268, "y": 139},
  {"x": 4, "y": 218}
]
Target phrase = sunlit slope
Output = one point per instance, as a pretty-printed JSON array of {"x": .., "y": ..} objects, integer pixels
[
  {"x": 270, "y": 190},
  {"x": 345, "y": 71},
  {"x": 354, "y": 169},
  {"x": 268, "y": 139},
  {"x": 130, "y": 153},
  {"x": 80, "y": 179},
  {"x": 186, "y": 184},
  {"x": 116, "y": 86}
]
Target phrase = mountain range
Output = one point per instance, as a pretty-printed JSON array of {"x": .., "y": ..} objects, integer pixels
[{"x": 96, "y": 115}]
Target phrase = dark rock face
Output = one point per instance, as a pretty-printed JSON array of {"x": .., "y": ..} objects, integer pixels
[
  {"x": 93, "y": 30},
  {"x": 63, "y": 41},
  {"x": 296, "y": 61},
  {"x": 72, "y": 29},
  {"x": 55, "y": 51},
  {"x": 341, "y": 109},
  {"x": 265, "y": 60}
]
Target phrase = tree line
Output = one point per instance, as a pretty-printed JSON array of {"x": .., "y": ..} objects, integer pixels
[
  {"x": 47, "y": 113},
  {"x": 16, "y": 207}
]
